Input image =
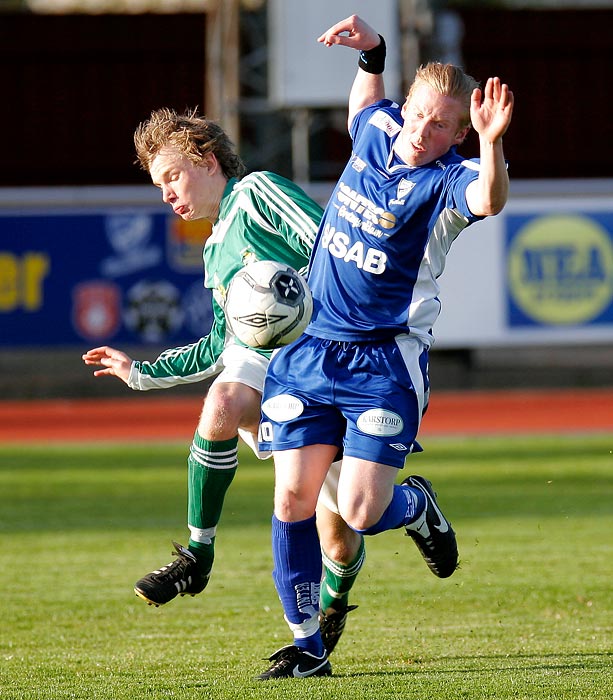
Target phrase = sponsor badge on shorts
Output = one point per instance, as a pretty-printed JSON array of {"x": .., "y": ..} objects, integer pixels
[
  {"x": 379, "y": 421},
  {"x": 282, "y": 408}
]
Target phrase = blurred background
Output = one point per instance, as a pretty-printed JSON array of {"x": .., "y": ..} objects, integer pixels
[{"x": 90, "y": 256}]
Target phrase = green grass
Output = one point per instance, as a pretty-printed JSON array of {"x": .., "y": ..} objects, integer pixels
[{"x": 529, "y": 614}]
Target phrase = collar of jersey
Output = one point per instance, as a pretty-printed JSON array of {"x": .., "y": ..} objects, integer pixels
[{"x": 404, "y": 166}]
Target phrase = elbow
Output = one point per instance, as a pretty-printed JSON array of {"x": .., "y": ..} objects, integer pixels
[
  {"x": 490, "y": 208},
  {"x": 494, "y": 207},
  {"x": 488, "y": 194},
  {"x": 487, "y": 203},
  {"x": 498, "y": 202}
]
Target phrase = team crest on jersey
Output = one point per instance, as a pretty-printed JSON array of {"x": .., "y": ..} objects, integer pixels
[
  {"x": 248, "y": 256},
  {"x": 404, "y": 187},
  {"x": 384, "y": 122}
]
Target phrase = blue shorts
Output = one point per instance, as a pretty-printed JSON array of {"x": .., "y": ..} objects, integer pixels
[{"x": 367, "y": 399}]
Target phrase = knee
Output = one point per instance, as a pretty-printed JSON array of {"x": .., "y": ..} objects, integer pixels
[
  {"x": 221, "y": 399},
  {"x": 343, "y": 547},
  {"x": 224, "y": 412},
  {"x": 360, "y": 519},
  {"x": 293, "y": 506}
]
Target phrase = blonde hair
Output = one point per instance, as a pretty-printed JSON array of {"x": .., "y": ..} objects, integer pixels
[
  {"x": 191, "y": 135},
  {"x": 450, "y": 81}
]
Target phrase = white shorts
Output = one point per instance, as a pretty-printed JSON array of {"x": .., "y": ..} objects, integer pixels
[
  {"x": 328, "y": 495},
  {"x": 241, "y": 365}
]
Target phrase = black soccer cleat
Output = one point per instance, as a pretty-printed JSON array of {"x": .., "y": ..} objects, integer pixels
[
  {"x": 432, "y": 532},
  {"x": 331, "y": 626},
  {"x": 180, "y": 577},
  {"x": 293, "y": 662}
]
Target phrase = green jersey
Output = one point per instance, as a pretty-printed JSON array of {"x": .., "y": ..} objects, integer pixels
[{"x": 261, "y": 217}]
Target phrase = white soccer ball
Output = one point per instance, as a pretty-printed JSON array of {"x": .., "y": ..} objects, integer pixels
[{"x": 268, "y": 304}]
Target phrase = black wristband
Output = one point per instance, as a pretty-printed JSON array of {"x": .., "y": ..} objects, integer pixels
[{"x": 373, "y": 60}]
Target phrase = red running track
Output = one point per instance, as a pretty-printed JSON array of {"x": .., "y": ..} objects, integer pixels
[{"x": 151, "y": 418}]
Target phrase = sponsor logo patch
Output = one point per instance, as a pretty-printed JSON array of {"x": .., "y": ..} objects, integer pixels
[
  {"x": 379, "y": 421},
  {"x": 357, "y": 164},
  {"x": 384, "y": 122},
  {"x": 282, "y": 408}
]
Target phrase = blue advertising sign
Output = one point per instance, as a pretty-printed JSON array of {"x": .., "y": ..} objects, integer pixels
[
  {"x": 115, "y": 277},
  {"x": 559, "y": 269}
]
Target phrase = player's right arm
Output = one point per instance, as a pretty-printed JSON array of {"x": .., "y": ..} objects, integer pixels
[
  {"x": 181, "y": 365},
  {"x": 355, "y": 33}
]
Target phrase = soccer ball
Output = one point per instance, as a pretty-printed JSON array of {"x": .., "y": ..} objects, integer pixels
[{"x": 268, "y": 304}]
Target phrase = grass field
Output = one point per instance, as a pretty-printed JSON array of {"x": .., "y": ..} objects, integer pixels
[{"x": 529, "y": 614}]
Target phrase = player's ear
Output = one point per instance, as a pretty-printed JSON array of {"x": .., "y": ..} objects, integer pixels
[
  {"x": 210, "y": 163},
  {"x": 461, "y": 135}
]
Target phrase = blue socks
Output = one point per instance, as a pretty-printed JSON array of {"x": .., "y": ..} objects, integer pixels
[
  {"x": 406, "y": 506},
  {"x": 297, "y": 576},
  {"x": 297, "y": 559}
]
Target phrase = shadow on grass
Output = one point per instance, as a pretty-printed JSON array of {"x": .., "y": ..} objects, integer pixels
[{"x": 496, "y": 662}]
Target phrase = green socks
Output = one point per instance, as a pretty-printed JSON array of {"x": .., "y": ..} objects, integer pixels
[
  {"x": 338, "y": 580},
  {"x": 211, "y": 468}
]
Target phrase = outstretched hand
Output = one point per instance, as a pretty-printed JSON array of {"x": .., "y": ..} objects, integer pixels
[
  {"x": 115, "y": 362},
  {"x": 491, "y": 110},
  {"x": 359, "y": 35}
]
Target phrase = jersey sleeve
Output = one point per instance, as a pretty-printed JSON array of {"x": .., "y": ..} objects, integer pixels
[
  {"x": 459, "y": 177},
  {"x": 360, "y": 120},
  {"x": 183, "y": 365}
]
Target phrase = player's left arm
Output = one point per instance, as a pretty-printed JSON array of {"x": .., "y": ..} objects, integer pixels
[{"x": 490, "y": 114}]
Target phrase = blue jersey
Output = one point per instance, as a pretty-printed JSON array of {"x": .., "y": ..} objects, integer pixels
[{"x": 384, "y": 236}]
